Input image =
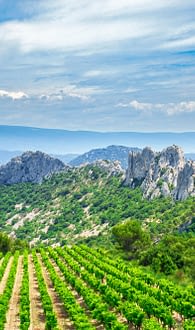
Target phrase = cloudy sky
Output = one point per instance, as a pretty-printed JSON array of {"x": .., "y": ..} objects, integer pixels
[{"x": 106, "y": 65}]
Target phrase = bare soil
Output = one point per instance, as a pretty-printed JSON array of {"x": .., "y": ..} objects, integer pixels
[
  {"x": 64, "y": 322},
  {"x": 13, "y": 317},
  {"x": 36, "y": 309},
  {"x": 79, "y": 299},
  {"x": 5, "y": 276}
]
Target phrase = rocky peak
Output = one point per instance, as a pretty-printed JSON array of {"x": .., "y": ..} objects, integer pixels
[
  {"x": 172, "y": 156},
  {"x": 30, "y": 167},
  {"x": 138, "y": 166},
  {"x": 164, "y": 173},
  {"x": 112, "y": 168}
]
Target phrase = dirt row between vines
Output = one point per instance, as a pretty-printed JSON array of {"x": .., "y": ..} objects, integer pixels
[
  {"x": 63, "y": 320},
  {"x": 5, "y": 275},
  {"x": 13, "y": 317},
  {"x": 78, "y": 298},
  {"x": 120, "y": 317},
  {"x": 37, "y": 315}
]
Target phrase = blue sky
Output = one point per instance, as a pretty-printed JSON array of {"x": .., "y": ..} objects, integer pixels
[{"x": 104, "y": 65}]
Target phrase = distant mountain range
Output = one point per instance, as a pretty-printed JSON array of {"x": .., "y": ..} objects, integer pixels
[
  {"x": 111, "y": 153},
  {"x": 62, "y": 142}
]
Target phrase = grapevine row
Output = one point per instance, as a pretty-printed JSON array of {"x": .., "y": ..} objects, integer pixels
[
  {"x": 75, "y": 311},
  {"x": 130, "y": 310},
  {"x": 99, "y": 309},
  {"x": 24, "y": 296},
  {"x": 183, "y": 307},
  {"x": 51, "y": 321},
  {"x": 4, "y": 264},
  {"x": 171, "y": 289},
  {"x": 6, "y": 295}
]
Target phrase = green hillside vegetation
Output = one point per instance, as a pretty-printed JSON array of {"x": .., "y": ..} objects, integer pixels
[
  {"x": 84, "y": 204},
  {"x": 8, "y": 244}
]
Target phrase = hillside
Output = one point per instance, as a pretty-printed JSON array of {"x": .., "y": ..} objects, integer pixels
[
  {"x": 83, "y": 203},
  {"x": 111, "y": 153},
  {"x": 86, "y": 204}
]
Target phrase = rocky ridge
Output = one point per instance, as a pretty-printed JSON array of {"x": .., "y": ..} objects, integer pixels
[
  {"x": 30, "y": 167},
  {"x": 164, "y": 173},
  {"x": 113, "y": 168}
]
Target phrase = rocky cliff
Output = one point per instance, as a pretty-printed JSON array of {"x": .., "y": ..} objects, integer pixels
[
  {"x": 30, "y": 167},
  {"x": 165, "y": 173}
]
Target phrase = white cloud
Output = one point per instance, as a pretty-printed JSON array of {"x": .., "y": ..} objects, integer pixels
[
  {"x": 55, "y": 94},
  {"x": 59, "y": 94},
  {"x": 41, "y": 36},
  {"x": 13, "y": 95},
  {"x": 168, "y": 108},
  {"x": 81, "y": 93},
  {"x": 180, "y": 43},
  {"x": 62, "y": 25}
]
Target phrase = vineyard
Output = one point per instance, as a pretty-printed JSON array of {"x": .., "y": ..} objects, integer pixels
[{"x": 83, "y": 288}]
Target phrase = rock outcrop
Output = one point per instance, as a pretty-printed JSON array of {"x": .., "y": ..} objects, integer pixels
[
  {"x": 112, "y": 168},
  {"x": 165, "y": 173},
  {"x": 30, "y": 167}
]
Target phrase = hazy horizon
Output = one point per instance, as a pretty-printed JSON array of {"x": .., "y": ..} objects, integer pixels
[
  {"x": 94, "y": 131},
  {"x": 64, "y": 141}
]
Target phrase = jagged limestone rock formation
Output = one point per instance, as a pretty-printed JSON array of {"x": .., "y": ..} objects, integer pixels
[
  {"x": 165, "y": 173},
  {"x": 30, "y": 167},
  {"x": 111, "y": 167}
]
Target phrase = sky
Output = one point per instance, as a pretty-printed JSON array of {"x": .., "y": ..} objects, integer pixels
[{"x": 106, "y": 65}]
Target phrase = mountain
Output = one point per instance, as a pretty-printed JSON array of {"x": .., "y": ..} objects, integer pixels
[
  {"x": 56, "y": 141},
  {"x": 111, "y": 153},
  {"x": 30, "y": 167},
  {"x": 83, "y": 204},
  {"x": 164, "y": 173}
]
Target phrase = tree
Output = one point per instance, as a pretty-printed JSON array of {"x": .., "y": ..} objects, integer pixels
[{"x": 131, "y": 237}]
